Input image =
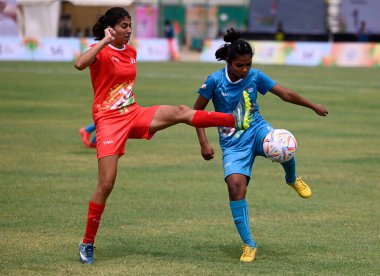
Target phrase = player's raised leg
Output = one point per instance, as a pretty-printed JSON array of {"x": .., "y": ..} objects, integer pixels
[
  {"x": 242, "y": 112},
  {"x": 167, "y": 115}
]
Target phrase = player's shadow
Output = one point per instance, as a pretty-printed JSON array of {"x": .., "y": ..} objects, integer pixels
[{"x": 213, "y": 250}]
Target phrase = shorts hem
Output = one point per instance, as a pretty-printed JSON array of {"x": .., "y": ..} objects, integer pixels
[
  {"x": 120, "y": 154},
  {"x": 245, "y": 174},
  {"x": 151, "y": 134}
]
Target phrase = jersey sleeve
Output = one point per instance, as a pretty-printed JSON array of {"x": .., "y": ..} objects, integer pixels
[
  {"x": 207, "y": 88},
  {"x": 99, "y": 56},
  {"x": 265, "y": 83}
]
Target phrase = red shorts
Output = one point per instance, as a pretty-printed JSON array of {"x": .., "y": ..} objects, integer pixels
[{"x": 114, "y": 129}]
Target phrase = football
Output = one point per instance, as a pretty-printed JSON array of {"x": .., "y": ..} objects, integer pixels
[{"x": 280, "y": 145}]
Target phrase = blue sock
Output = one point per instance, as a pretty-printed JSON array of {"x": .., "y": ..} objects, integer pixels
[
  {"x": 239, "y": 211},
  {"x": 290, "y": 170},
  {"x": 90, "y": 128}
]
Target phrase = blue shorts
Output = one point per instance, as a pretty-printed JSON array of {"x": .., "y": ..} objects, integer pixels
[{"x": 239, "y": 156}]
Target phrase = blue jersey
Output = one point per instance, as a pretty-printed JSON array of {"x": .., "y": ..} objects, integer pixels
[{"x": 226, "y": 94}]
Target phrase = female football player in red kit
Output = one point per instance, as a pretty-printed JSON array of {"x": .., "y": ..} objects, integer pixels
[{"x": 117, "y": 115}]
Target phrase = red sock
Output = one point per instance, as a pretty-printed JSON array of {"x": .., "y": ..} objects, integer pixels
[
  {"x": 95, "y": 212},
  {"x": 204, "y": 118}
]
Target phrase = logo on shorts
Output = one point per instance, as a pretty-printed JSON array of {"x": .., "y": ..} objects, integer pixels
[
  {"x": 228, "y": 164},
  {"x": 108, "y": 142}
]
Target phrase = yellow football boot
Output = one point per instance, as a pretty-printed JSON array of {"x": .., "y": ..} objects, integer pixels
[
  {"x": 301, "y": 188},
  {"x": 248, "y": 254},
  {"x": 243, "y": 112}
]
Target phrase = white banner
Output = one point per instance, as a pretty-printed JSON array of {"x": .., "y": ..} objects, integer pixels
[
  {"x": 68, "y": 49},
  {"x": 209, "y": 49},
  {"x": 13, "y": 48},
  {"x": 268, "y": 52},
  {"x": 51, "y": 49},
  {"x": 152, "y": 49},
  {"x": 306, "y": 53}
]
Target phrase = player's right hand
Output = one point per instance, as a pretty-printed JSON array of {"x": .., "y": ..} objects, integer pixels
[{"x": 109, "y": 34}]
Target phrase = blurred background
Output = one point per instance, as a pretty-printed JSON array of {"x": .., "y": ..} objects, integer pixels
[{"x": 186, "y": 29}]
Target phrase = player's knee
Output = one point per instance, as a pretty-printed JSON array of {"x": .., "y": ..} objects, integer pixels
[
  {"x": 236, "y": 189},
  {"x": 182, "y": 112},
  {"x": 106, "y": 186},
  {"x": 183, "y": 108}
]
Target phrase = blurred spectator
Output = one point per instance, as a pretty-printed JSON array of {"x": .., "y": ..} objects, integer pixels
[
  {"x": 168, "y": 29},
  {"x": 169, "y": 35},
  {"x": 280, "y": 34},
  {"x": 363, "y": 35}
]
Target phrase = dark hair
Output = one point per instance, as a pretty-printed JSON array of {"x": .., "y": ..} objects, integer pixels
[
  {"x": 233, "y": 47},
  {"x": 110, "y": 18}
]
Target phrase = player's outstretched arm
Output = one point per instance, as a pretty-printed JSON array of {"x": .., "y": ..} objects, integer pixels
[{"x": 290, "y": 96}]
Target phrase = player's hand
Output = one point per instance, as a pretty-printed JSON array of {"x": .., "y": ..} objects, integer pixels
[
  {"x": 109, "y": 34},
  {"x": 321, "y": 110},
  {"x": 207, "y": 151}
]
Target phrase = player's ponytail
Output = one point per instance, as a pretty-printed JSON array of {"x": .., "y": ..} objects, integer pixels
[
  {"x": 99, "y": 27},
  {"x": 109, "y": 19},
  {"x": 233, "y": 47}
]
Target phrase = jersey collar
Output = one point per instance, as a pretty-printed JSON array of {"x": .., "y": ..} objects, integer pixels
[
  {"x": 117, "y": 49},
  {"x": 228, "y": 78}
]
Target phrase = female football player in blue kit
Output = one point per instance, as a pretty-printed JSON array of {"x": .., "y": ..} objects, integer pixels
[{"x": 238, "y": 84}]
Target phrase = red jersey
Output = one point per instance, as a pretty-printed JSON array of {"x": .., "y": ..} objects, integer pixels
[{"x": 112, "y": 76}]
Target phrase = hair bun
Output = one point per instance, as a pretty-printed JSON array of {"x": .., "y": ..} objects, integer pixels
[{"x": 232, "y": 35}]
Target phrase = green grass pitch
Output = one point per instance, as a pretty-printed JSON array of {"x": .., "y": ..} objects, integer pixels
[{"x": 169, "y": 212}]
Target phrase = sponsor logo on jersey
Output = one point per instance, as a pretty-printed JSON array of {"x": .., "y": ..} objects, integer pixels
[
  {"x": 115, "y": 59},
  {"x": 132, "y": 60},
  {"x": 204, "y": 86},
  {"x": 250, "y": 89}
]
